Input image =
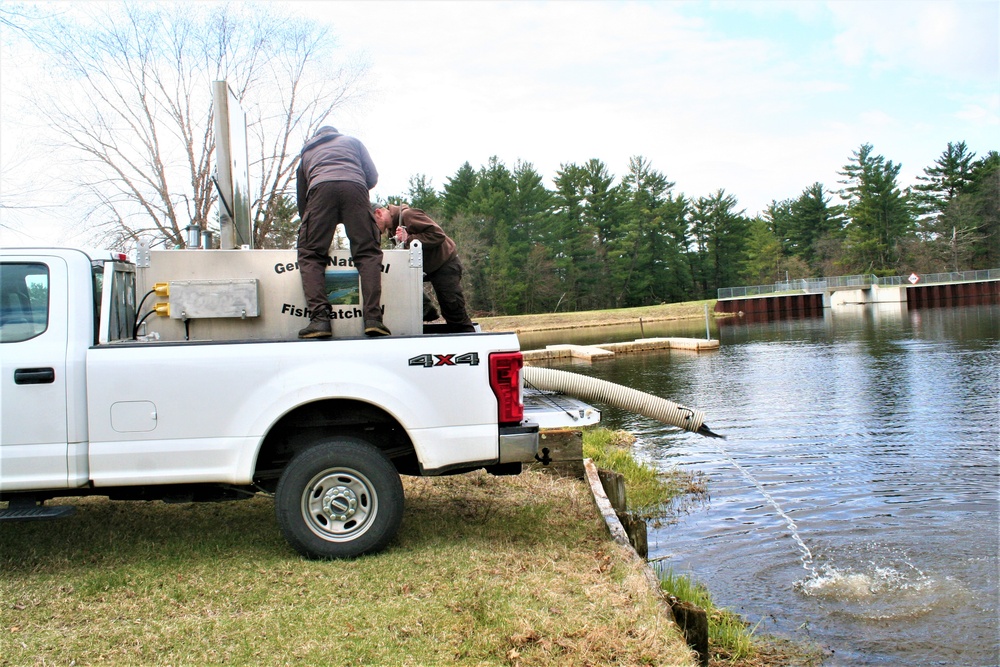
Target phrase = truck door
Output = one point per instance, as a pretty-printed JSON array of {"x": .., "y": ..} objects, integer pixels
[{"x": 33, "y": 347}]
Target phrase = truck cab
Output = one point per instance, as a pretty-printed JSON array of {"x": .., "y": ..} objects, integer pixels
[{"x": 47, "y": 321}]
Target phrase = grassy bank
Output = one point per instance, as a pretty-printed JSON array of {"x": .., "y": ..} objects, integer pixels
[
  {"x": 591, "y": 318},
  {"x": 656, "y": 496},
  {"x": 486, "y": 571},
  {"x": 651, "y": 494}
]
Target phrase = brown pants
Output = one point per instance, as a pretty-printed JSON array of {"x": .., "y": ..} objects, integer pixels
[
  {"x": 327, "y": 205},
  {"x": 447, "y": 283}
]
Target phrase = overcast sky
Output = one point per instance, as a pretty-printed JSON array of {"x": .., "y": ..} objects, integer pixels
[{"x": 760, "y": 99}]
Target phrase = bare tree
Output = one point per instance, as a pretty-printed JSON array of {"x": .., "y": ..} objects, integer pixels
[
  {"x": 18, "y": 198},
  {"x": 17, "y": 18},
  {"x": 134, "y": 105}
]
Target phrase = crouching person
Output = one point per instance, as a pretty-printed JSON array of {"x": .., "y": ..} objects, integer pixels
[{"x": 442, "y": 267}]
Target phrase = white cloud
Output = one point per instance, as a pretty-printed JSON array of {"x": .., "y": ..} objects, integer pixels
[
  {"x": 566, "y": 82},
  {"x": 762, "y": 107},
  {"x": 985, "y": 112},
  {"x": 945, "y": 38}
]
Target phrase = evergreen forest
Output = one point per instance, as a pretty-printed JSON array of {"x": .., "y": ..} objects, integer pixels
[{"x": 600, "y": 241}]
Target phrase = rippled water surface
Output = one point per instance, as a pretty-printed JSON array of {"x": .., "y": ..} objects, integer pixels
[{"x": 855, "y": 500}]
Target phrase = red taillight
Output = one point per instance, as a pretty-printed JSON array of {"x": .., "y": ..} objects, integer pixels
[{"x": 505, "y": 380}]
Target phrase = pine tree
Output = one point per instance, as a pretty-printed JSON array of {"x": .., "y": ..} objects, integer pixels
[
  {"x": 422, "y": 194},
  {"x": 457, "y": 191},
  {"x": 721, "y": 235},
  {"x": 640, "y": 241},
  {"x": 674, "y": 280},
  {"x": 491, "y": 205},
  {"x": 778, "y": 218},
  {"x": 813, "y": 220},
  {"x": 602, "y": 214},
  {"x": 950, "y": 176},
  {"x": 534, "y": 272},
  {"x": 284, "y": 229},
  {"x": 574, "y": 247},
  {"x": 763, "y": 259},
  {"x": 984, "y": 193},
  {"x": 880, "y": 214}
]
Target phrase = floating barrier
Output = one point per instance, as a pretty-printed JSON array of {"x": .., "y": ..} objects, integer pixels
[{"x": 609, "y": 350}]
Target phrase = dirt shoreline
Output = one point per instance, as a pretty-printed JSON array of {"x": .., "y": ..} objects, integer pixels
[{"x": 596, "y": 318}]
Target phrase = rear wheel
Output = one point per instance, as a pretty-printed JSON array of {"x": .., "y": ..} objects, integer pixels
[{"x": 339, "y": 498}]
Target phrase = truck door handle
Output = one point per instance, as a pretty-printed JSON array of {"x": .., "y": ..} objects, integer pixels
[{"x": 34, "y": 376}]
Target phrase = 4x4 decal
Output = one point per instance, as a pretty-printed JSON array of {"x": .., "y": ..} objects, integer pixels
[{"x": 429, "y": 360}]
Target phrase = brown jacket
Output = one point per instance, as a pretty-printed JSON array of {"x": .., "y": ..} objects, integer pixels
[{"x": 438, "y": 247}]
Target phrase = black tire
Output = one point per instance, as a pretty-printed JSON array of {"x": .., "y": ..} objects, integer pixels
[{"x": 339, "y": 498}]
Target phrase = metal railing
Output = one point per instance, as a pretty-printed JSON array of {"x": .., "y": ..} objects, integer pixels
[
  {"x": 959, "y": 276},
  {"x": 820, "y": 285},
  {"x": 810, "y": 286}
]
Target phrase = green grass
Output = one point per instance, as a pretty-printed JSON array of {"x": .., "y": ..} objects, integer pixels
[
  {"x": 651, "y": 493},
  {"x": 485, "y": 571},
  {"x": 545, "y": 321},
  {"x": 730, "y": 637}
]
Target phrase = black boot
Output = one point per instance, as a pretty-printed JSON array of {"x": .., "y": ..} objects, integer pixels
[
  {"x": 376, "y": 328},
  {"x": 318, "y": 328}
]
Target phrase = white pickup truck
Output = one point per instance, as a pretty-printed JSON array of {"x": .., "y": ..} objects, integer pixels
[{"x": 91, "y": 408}]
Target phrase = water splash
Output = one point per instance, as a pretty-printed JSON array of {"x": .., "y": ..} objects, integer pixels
[
  {"x": 887, "y": 587},
  {"x": 806, "y": 555},
  {"x": 881, "y": 592},
  {"x": 860, "y": 586}
]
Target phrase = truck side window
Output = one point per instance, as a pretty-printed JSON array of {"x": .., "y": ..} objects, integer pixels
[{"x": 24, "y": 300}]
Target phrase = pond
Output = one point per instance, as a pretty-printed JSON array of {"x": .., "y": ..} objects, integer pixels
[{"x": 854, "y": 501}]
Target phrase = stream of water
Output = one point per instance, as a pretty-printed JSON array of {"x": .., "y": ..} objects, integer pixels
[{"x": 855, "y": 503}]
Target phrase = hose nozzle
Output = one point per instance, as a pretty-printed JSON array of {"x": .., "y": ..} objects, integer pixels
[{"x": 708, "y": 433}]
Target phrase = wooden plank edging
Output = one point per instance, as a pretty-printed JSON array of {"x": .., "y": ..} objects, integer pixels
[
  {"x": 689, "y": 619},
  {"x": 615, "y": 526}
]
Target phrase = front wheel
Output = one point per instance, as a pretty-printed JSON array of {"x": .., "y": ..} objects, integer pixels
[{"x": 339, "y": 498}]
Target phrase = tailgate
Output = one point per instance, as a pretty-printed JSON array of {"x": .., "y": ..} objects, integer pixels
[{"x": 551, "y": 409}]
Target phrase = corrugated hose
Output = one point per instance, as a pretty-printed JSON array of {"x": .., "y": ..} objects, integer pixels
[{"x": 593, "y": 389}]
